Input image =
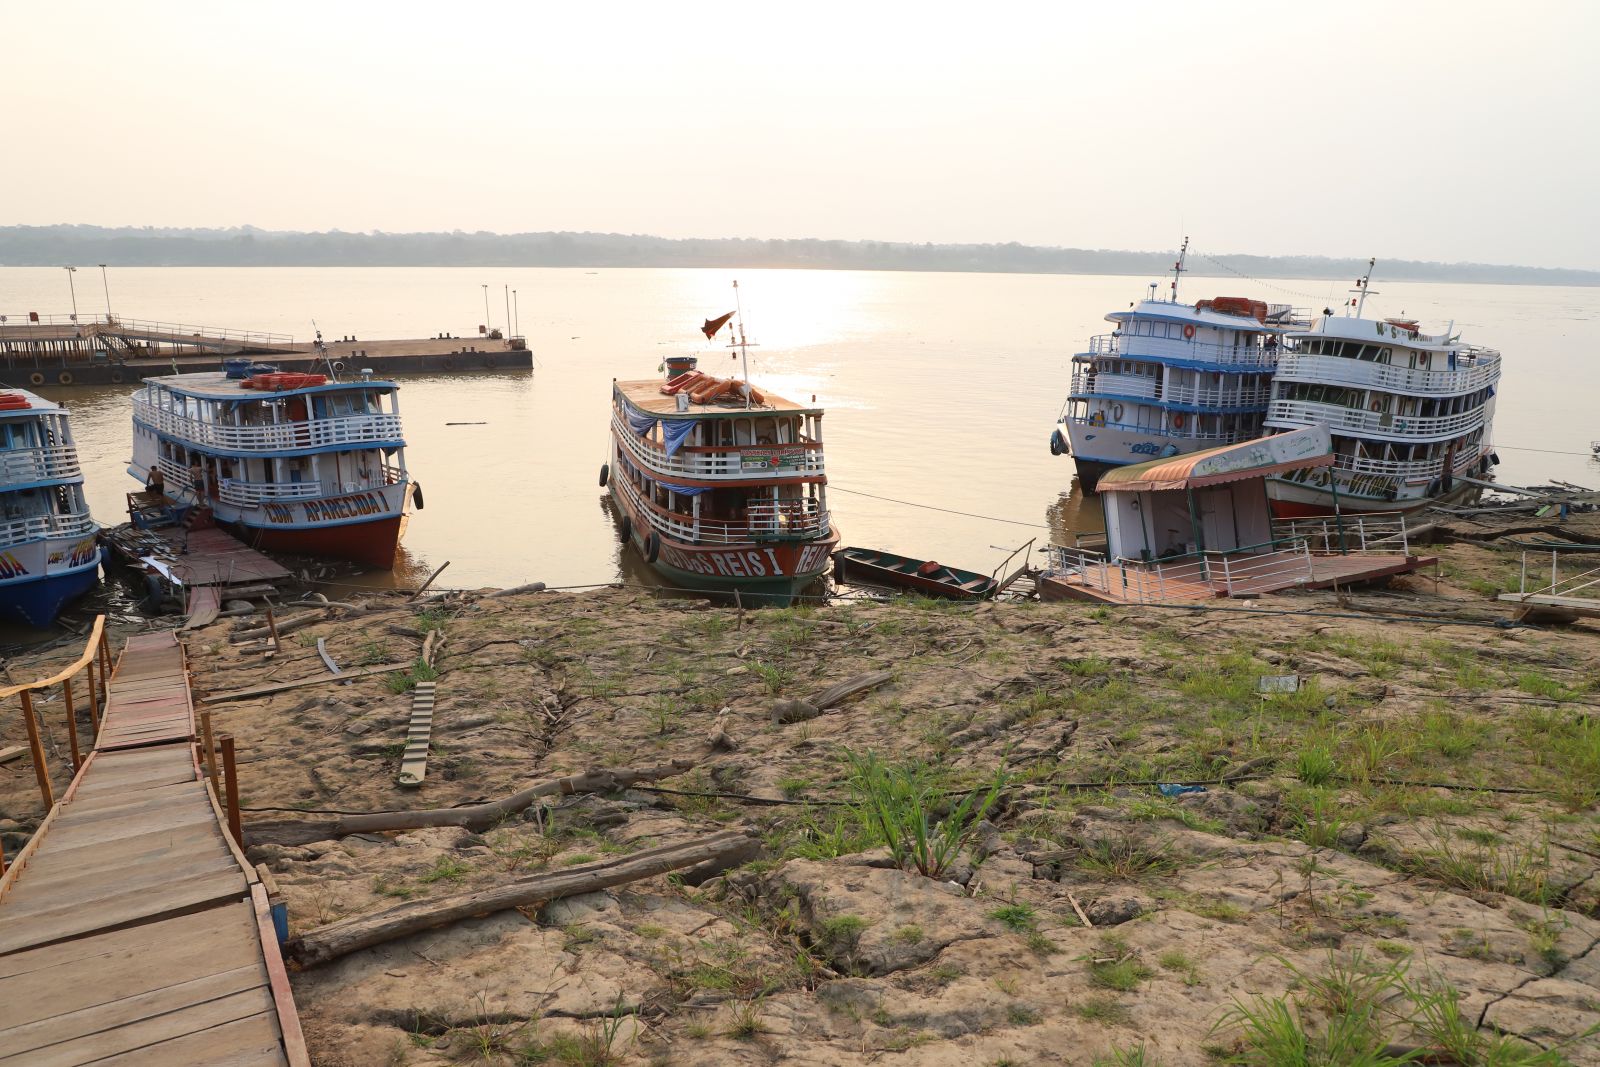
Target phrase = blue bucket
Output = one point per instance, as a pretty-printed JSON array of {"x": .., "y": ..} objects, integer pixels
[
  {"x": 236, "y": 368},
  {"x": 263, "y": 368}
]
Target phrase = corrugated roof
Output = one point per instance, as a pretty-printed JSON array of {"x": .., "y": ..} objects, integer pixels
[{"x": 1308, "y": 447}]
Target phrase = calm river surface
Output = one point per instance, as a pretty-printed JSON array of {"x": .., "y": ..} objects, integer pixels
[{"x": 941, "y": 389}]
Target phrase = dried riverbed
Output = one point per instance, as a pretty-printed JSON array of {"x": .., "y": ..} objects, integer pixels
[{"x": 1413, "y": 830}]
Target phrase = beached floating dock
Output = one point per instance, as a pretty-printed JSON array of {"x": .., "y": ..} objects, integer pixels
[
  {"x": 132, "y": 928},
  {"x": 111, "y": 350}
]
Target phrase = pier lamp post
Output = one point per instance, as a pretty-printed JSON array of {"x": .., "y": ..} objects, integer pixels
[
  {"x": 74, "y": 290},
  {"x": 486, "y": 322},
  {"x": 107, "y": 286},
  {"x": 516, "y": 316}
]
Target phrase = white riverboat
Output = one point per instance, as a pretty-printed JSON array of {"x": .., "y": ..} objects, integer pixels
[
  {"x": 291, "y": 463},
  {"x": 1171, "y": 378},
  {"x": 48, "y": 552},
  {"x": 1411, "y": 412}
]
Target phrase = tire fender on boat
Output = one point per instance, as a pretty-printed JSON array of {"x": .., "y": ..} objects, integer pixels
[
  {"x": 627, "y": 528},
  {"x": 1116, "y": 412},
  {"x": 36, "y": 378},
  {"x": 117, "y": 377},
  {"x": 416, "y": 495},
  {"x": 605, "y": 474},
  {"x": 1058, "y": 444},
  {"x": 652, "y": 547}
]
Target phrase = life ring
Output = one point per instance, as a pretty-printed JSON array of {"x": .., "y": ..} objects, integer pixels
[
  {"x": 605, "y": 474},
  {"x": 36, "y": 378},
  {"x": 1178, "y": 421},
  {"x": 65, "y": 377},
  {"x": 1116, "y": 412},
  {"x": 1058, "y": 444},
  {"x": 1377, "y": 405},
  {"x": 1188, "y": 331},
  {"x": 116, "y": 377},
  {"x": 627, "y": 529},
  {"x": 652, "y": 547}
]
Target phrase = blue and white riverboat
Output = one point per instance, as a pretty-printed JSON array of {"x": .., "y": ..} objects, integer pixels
[
  {"x": 48, "y": 552},
  {"x": 1171, "y": 378}
]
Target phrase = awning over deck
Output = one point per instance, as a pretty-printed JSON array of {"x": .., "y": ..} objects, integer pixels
[{"x": 1308, "y": 447}]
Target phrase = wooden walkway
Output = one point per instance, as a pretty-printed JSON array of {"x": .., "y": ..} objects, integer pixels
[
  {"x": 1271, "y": 572},
  {"x": 132, "y": 929}
]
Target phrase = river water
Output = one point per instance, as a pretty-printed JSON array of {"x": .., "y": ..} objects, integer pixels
[{"x": 941, "y": 389}]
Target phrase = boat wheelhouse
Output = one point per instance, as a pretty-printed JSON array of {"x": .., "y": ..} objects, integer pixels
[
  {"x": 1411, "y": 413},
  {"x": 288, "y": 462},
  {"x": 721, "y": 487},
  {"x": 48, "y": 551},
  {"x": 1170, "y": 378}
]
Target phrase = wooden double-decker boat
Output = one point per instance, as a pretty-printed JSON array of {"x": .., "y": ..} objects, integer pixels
[
  {"x": 720, "y": 486},
  {"x": 288, "y": 463}
]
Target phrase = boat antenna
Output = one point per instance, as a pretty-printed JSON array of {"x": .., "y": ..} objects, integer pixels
[
  {"x": 1178, "y": 268},
  {"x": 741, "y": 344},
  {"x": 1361, "y": 287}
]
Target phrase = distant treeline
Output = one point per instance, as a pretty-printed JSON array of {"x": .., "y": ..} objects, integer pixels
[{"x": 250, "y": 247}]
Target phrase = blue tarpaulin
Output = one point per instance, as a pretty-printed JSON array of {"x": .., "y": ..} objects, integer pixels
[
  {"x": 677, "y": 431},
  {"x": 684, "y": 490},
  {"x": 642, "y": 424}
]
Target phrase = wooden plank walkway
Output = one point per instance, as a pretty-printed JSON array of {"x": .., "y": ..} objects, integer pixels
[
  {"x": 1272, "y": 572},
  {"x": 132, "y": 929}
]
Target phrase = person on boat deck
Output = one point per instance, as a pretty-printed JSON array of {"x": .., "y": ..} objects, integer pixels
[
  {"x": 156, "y": 482},
  {"x": 197, "y": 476}
]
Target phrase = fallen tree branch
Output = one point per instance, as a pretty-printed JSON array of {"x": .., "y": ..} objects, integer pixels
[
  {"x": 845, "y": 690},
  {"x": 330, "y": 942},
  {"x": 516, "y": 590},
  {"x": 321, "y": 679},
  {"x": 472, "y": 816},
  {"x": 299, "y": 622}
]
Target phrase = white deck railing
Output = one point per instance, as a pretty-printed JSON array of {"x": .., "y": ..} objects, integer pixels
[
  {"x": 797, "y": 520},
  {"x": 720, "y": 465},
  {"x": 39, "y": 464},
  {"x": 1373, "y": 531},
  {"x": 1466, "y": 378},
  {"x": 73, "y": 524},
  {"x": 1188, "y": 433},
  {"x": 1293, "y": 414},
  {"x": 1162, "y": 349},
  {"x": 354, "y": 430},
  {"x": 1411, "y": 469}
]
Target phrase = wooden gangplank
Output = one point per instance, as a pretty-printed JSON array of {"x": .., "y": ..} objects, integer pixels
[{"x": 132, "y": 929}]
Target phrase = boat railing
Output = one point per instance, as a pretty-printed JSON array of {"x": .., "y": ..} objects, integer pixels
[
  {"x": 39, "y": 464},
  {"x": 1144, "y": 387},
  {"x": 1361, "y": 532},
  {"x": 34, "y": 527},
  {"x": 1242, "y": 570},
  {"x": 718, "y": 462},
  {"x": 1339, "y": 418},
  {"x": 392, "y": 475},
  {"x": 804, "y": 520},
  {"x": 272, "y": 437},
  {"x": 1571, "y": 585},
  {"x": 1406, "y": 468},
  {"x": 1466, "y": 377},
  {"x": 1188, "y": 433},
  {"x": 254, "y": 494},
  {"x": 1161, "y": 349}
]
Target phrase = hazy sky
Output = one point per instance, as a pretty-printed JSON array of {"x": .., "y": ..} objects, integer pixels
[{"x": 1463, "y": 130}]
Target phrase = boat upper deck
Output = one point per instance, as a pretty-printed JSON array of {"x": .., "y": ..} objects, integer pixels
[
  {"x": 215, "y": 385},
  {"x": 648, "y": 397}
]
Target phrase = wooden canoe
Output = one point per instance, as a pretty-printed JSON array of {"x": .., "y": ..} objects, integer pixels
[{"x": 925, "y": 576}]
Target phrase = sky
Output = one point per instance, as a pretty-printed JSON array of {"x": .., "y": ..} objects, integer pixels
[{"x": 1452, "y": 131}]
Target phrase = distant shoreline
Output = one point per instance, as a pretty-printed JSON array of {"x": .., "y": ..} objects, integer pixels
[{"x": 51, "y": 246}]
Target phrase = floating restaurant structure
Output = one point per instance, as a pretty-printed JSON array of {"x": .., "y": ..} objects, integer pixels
[
  {"x": 48, "y": 552},
  {"x": 289, "y": 463},
  {"x": 1199, "y": 526},
  {"x": 112, "y": 350}
]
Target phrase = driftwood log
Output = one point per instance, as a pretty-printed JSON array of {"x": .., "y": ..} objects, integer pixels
[
  {"x": 299, "y": 622},
  {"x": 516, "y": 590},
  {"x": 471, "y": 817},
  {"x": 792, "y": 711},
  {"x": 327, "y": 943}
]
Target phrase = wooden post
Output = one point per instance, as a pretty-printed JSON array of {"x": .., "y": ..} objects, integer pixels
[
  {"x": 72, "y": 725},
  {"x": 211, "y": 752},
  {"x": 231, "y": 771},
  {"x": 94, "y": 706},
  {"x": 36, "y": 748},
  {"x": 272, "y": 628},
  {"x": 738, "y": 602}
]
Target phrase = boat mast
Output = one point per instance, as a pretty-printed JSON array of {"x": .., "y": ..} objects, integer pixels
[
  {"x": 1361, "y": 287},
  {"x": 1178, "y": 268},
  {"x": 741, "y": 344}
]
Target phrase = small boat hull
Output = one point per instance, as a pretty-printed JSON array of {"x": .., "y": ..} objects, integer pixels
[
  {"x": 1294, "y": 500},
  {"x": 370, "y": 544},
  {"x": 37, "y": 601},
  {"x": 886, "y": 568}
]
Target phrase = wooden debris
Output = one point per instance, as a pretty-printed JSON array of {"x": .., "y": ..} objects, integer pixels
[
  {"x": 321, "y": 679},
  {"x": 719, "y": 738},
  {"x": 337, "y": 939},
  {"x": 845, "y": 690},
  {"x": 472, "y": 817},
  {"x": 279, "y": 627},
  {"x": 322, "y": 650},
  {"x": 516, "y": 590},
  {"x": 9, "y": 754},
  {"x": 430, "y": 580},
  {"x": 1073, "y": 900}
]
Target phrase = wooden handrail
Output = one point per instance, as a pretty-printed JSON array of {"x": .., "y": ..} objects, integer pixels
[{"x": 89, "y": 649}]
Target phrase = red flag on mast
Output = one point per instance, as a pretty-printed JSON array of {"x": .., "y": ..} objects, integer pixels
[{"x": 713, "y": 325}]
